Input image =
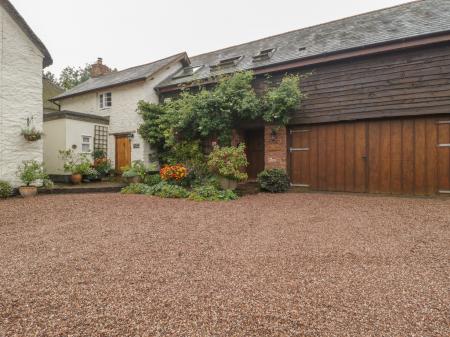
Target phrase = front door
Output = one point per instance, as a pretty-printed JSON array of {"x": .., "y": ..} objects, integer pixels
[
  {"x": 123, "y": 152},
  {"x": 254, "y": 148}
]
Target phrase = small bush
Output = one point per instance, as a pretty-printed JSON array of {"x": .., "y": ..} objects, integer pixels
[
  {"x": 211, "y": 193},
  {"x": 165, "y": 190},
  {"x": 32, "y": 171},
  {"x": 136, "y": 189},
  {"x": 152, "y": 180},
  {"x": 229, "y": 162},
  {"x": 5, "y": 189},
  {"x": 274, "y": 181}
]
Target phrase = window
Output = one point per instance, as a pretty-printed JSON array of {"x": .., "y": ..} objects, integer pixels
[
  {"x": 187, "y": 71},
  {"x": 227, "y": 63},
  {"x": 86, "y": 144},
  {"x": 264, "y": 55},
  {"x": 105, "y": 100}
]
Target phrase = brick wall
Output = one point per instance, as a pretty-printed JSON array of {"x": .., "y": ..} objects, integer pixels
[{"x": 275, "y": 147}]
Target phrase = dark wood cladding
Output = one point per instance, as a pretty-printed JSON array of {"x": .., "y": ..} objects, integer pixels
[
  {"x": 398, "y": 156},
  {"x": 406, "y": 83}
]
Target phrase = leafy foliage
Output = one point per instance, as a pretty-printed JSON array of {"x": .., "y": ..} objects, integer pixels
[
  {"x": 228, "y": 162},
  {"x": 31, "y": 171},
  {"x": 211, "y": 193},
  {"x": 166, "y": 190},
  {"x": 72, "y": 76},
  {"x": 274, "y": 180},
  {"x": 137, "y": 169},
  {"x": 136, "y": 189},
  {"x": 193, "y": 117},
  {"x": 152, "y": 179},
  {"x": 77, "y": 163},
  {"x": 5, "y": 189},
  {"x": 280, "y": 101}
]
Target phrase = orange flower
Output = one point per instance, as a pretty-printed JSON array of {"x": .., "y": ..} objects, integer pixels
[{"x": 173, "y": 172}]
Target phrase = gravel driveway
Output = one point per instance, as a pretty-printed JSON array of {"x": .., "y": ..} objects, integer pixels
[{"x": 265, "y": 265}]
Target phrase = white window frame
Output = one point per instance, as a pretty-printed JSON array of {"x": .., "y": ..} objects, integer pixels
[
  {"x": 89, "y": 143},
  {"x": 103, "y": 100}
]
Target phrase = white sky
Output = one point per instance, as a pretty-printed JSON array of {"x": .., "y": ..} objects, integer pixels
[{"x": 127, "y": 33}]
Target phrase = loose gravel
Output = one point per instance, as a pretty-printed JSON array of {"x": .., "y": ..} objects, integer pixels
[{"x": 265, "y": 265}]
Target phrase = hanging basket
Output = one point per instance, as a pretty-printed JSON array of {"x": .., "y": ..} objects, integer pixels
[{"x": 32, "y": 134}]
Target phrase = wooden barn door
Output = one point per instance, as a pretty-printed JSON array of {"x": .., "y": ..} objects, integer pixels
[
  {"x": 398, "y": 156},
  {"x": 123, "y": 152},
  {"x": 329, "y": 157},
  {"x": 254, "y": 148}
]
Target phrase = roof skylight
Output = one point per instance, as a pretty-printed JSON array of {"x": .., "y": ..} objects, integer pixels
[
  {"x": 187, "y": 71},
  {"x": 264, "y": 55},
  {"x": 230, "y": 62}
]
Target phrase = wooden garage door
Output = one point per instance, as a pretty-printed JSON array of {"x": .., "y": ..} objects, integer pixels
[{"x": 400, "y": 156}]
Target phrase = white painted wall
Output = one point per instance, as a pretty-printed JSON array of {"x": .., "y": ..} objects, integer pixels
[
  {"x": 54, "y": 140},
  {"x": 20, "y": 97},
  {"x": 64, "y": 134},
  {"x": 123, "y": 115}
]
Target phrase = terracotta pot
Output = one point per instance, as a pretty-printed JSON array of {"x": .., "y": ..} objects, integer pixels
[
  {"x": 227, "y": 184},
  {"x": 76, "y": 178},
  {"x": 28, "y": 191}
]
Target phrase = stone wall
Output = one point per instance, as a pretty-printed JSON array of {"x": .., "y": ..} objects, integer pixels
[{"x": 20, "y": 97}]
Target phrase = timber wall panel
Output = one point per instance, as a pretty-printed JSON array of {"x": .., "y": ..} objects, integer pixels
[{"x": 406, "y": 83}]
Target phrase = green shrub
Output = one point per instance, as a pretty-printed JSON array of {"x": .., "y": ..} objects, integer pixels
[
  {"x": 5, "y": 189},
  {"x": 165, "y": 190},
  {"x": 153, "y": 179},
  {"x": 211, "y": 193},
  {"x": 31, "y": 171},
  {"x": 137, "y": 169},
  {"x": 136, "y": 189},
  {"x": 274, "y": 181},
  {"x": 228, "y": 162}
]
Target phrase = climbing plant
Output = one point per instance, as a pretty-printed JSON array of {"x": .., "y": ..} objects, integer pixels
[{"x": 207, "y": 113}]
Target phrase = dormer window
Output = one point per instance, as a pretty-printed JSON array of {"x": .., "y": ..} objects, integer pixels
[
  {"x": 226, "y": 63},
  {"x": 105, "y": 100},
  {"x": 264, "y": 55},
  {"x": 187, "y": 71}
]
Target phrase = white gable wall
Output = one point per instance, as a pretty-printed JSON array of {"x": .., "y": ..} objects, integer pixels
[
  {"x": 20, "y": 97},
  {"x": 123, "y": 115}
]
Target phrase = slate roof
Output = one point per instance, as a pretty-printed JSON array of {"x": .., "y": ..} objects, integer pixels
[
  {"x": 12, "y": 11},
  {"x": 51, "y": 115},
  {"x": 129, "y": 75},
  {"x": 407, "y": 21}
]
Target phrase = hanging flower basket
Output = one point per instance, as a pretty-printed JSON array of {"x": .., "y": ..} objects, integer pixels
[{"x": 31, "y": 134}]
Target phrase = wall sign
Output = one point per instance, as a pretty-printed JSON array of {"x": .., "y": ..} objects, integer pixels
[{"x": 136, "y": 146}]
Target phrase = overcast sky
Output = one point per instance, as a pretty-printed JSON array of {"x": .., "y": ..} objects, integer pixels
[{"x": 127, "y": 33}]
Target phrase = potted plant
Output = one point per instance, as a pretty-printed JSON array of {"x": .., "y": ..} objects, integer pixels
[
  {"x": 101, "y": 164},
  {"x": 31, "y": 134},
  {"x": 136, "y": 172},
  {"x": 228, "y": 164},
  {"x": 31, "y": 172},
  {"x": 78, "y": 165}
]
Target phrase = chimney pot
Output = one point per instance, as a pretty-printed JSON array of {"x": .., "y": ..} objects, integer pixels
[{"x": 99, "y": 60}]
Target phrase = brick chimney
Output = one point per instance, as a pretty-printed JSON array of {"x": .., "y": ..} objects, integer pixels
[{"x": 99, "y": 69}]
